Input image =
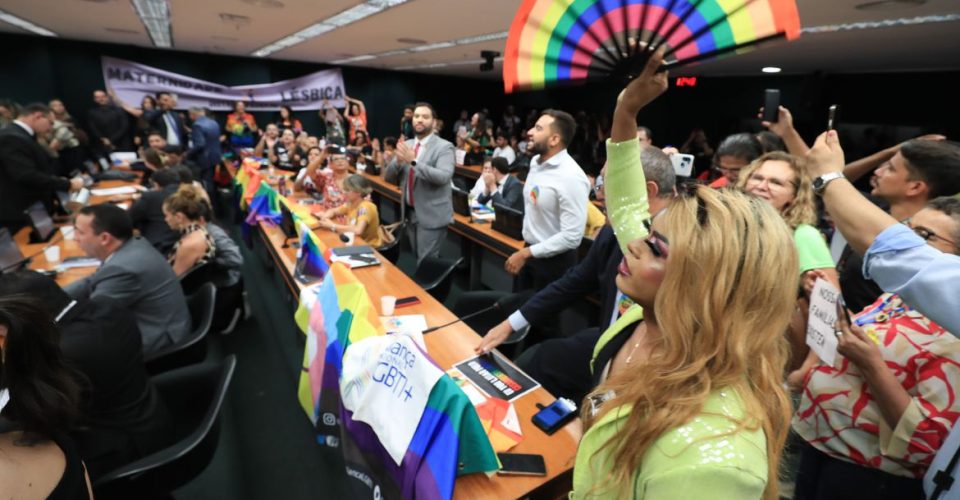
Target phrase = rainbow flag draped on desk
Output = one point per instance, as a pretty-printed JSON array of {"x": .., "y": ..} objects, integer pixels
[
  {"x": 257, "y": 198},
  {"x": 449, "y": 440}
]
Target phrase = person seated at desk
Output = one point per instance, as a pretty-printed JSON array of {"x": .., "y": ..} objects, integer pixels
[
  {"x": 185, "y": 211},
  {"x": 124, "y": 417},
  {"x": 326, "y": 181},
  {"x": 285, "y": 154},
  {"x": 147, "y": 212},
  {"x": 361, "y": 214},
  {"x": 497, "y": 186},
  {"x": 133, "y": 273},
  {"x": 152, "y": 162},
  {"x": 37, "y": 457}
]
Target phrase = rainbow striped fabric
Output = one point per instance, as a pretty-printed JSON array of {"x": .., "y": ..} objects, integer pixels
[
  {"x": 449, "y": 440},
  {"x": 565, "y": 40}
]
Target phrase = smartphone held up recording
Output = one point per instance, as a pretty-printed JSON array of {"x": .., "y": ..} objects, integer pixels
[
  {"x": 832, "y": 117},
  {"x": 771, "y": 105}
]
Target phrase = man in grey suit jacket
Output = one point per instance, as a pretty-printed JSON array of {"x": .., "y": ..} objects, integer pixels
[
  {"x": 423, "y": 167},
  {"x": 133, "y": 274}
]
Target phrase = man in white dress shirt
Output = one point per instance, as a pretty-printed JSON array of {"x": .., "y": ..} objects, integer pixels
[
  {"x": 555, "y": 199},
  {"x": 503, "y": 149}
]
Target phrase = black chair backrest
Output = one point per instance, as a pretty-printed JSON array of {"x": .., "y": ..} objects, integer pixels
[
  {"x": 193, "y": 348},
  {"x": 197, "y": 275},
  {"x": 435, "y": 274},
  {"x": 194, "y": 395},
  {"x": 391, "y": 251}
]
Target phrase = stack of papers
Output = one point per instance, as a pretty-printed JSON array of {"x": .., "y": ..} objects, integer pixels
[
  {"x": 77, "y": 262},
  {"x": 113, "y": 191}
]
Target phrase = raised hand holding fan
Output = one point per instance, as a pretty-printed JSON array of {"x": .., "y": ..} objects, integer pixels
[{"x": 567, "y": 41}]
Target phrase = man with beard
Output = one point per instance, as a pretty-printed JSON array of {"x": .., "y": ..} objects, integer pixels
[
  {"x": 555, "y": 204},
  {"x": 915, "y": 173},
  {"x": 422, "y": 167}
]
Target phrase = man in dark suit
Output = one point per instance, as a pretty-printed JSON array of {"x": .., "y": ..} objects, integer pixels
[
  {"x": 500, "y": 187},
  {"x": 133, "y": 273},
  {"x": 423, "y": 167},
  {"x": 562, "y": 365},
  {"x": 26, "y": 169},
  {"x": 109, "y": 125},
  {"x": 205, "y": 151},
  {"x": 147, "y": 212},
  {"x": 167, "y": 120},
  {"x": 124, "y": 417}
]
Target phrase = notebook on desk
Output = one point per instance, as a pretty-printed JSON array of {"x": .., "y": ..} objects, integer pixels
[
  {"x": 508, "y": 221},
  {"x": 355, "y": 256}
]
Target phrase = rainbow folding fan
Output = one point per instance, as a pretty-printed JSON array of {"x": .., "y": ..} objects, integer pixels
[{"x": 558, "y": 41}]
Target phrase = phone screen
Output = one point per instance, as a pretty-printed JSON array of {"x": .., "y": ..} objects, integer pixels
[
  {"x": 832, "y": 117},
  {"x": 842, "y": 313},
  {"x": 521, "y": 464},
  {"x": 771, "y": 105}
]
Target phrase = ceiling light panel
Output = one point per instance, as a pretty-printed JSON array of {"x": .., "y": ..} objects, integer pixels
[
  {"x": 155, "y": 15},
  {"x": 339, "y": 20},
  {"x": 24, "y": 24}
]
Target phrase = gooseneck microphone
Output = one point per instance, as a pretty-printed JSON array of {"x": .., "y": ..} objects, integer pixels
[{"x": 494, "y": 306}]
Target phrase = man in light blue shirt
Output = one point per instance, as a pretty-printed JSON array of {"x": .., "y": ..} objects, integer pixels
[{"x": 894, "y": 256}]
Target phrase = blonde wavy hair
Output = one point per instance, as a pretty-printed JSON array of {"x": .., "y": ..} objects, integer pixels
[
  {"x": 722, "y": 307},
  {"x": 802, "y": 209}
]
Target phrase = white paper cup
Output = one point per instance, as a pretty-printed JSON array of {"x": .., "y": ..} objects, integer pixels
[
  {"x": 387, "y": 304},
  {"x": 350, "y": 236},
  {"x": 52, "y": 254}
]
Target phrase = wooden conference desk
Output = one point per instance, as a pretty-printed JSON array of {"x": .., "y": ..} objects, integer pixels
[
  {"x": 449, "y": 346},
  {"x": 68, "y": 247}
]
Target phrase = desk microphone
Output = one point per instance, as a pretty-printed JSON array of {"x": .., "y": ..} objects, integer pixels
[
  {"x": 30, "y": 257},
  {"x": 494, "y": 306},
  {"x": 344, "y": 238}
]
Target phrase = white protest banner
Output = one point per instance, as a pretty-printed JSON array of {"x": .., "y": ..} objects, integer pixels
[
  {"x": 131, "y": 81},
  {"x": 821, "y": 336}
]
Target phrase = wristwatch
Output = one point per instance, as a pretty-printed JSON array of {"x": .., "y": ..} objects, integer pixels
[{"x": 820, "y": 183}]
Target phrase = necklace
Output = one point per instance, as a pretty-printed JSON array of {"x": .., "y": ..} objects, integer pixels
[{"x": 632, "y": 351}]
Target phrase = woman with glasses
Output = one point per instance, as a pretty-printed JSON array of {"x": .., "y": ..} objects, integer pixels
[
  {"x": 328, "y": 182},
  {"x": 734, "y": 154},
  {"x": 874, "y": 420},
  {"x": 780, "y": 179},
  {"x": 691, "y": 403}
]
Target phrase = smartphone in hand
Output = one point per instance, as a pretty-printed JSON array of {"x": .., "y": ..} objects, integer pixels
[{"x": 771, "y": 105}]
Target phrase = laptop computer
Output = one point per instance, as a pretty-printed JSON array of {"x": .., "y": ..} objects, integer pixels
[
  {"x": 11, "y": 258},
  {"x": 41, "y": 223},
  {"x": 508, "y": 221},
  {"x": 286, "y": 222},
  {"x": 461, "y": 201}
]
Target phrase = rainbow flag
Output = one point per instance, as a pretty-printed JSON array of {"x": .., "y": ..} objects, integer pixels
[
  {"x": 313, "y": 256},
  {"x": 450, "y": 439}
]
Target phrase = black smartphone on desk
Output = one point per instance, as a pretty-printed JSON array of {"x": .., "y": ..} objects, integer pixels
[{"x": 519, "y": 464}]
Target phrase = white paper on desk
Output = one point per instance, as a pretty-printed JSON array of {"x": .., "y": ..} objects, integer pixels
[
  {"x": 113, "y": 191},
  {"x": 821, "y": 336}
]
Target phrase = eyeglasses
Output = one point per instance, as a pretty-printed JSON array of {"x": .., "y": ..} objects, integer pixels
[
  {"x": 772, "y": 182},
  {"x": 598, "y": 184},
  {"x": 927, "y": 234},
  {"x": 725, "y": 170}
]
